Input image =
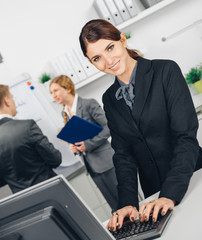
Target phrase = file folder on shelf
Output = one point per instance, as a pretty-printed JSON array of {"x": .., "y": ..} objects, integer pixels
[
  {"x": 68, "y": 70},
  {"x": 76, "y": 65},
  {"x": 122, "y": 9},
  {"x": 103, "y": 11},
  {"x": 87, "y": 66},
  {"x": 131, "y": 7},
  {"x": 149, "y": 3},
  {"x": 78, "y": 129},
  {"x": 56, "y": 67},
  {"x": 114, "y": 11}
]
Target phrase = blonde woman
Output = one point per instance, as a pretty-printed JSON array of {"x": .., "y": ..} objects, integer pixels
[{"x": 97, "y": 152}]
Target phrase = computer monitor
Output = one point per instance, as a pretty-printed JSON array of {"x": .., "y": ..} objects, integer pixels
[{"x": 50, "y": 210}]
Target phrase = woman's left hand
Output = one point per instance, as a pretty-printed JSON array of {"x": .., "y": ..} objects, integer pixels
[
  {"x": 81, "y": 146},
  {"x": 154, "y": 207},
  {"x": 73, "y": 148}
]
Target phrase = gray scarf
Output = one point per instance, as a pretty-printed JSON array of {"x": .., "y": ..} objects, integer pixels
[{"x": 126, "y": 91}]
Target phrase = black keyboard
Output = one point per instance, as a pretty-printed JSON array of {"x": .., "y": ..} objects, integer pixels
[{"x": 142, "y": 230}]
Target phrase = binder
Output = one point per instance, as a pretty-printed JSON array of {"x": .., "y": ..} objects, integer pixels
[
  {"x": 149, "y": 3},
  {"x": 51, "y": 66},
  {"x": 122, "y": 9},
  {"x": 78, "y": 129},
  {"x": 114, "y": 11},
  {"x": 56, "y": 67},
  {"x": 131, "y": 7},
  {"x": 103, "y": 11},
  {"x": 87, "y": 66},
  {"x": 76, "y": 65},
  {"x": 68, "y": 70}
]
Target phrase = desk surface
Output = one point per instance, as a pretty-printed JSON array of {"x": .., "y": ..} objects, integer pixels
[{"x": 186, "y": 220}]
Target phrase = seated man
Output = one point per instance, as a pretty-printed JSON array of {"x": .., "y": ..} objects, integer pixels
[{"x": 26, "y": 155}]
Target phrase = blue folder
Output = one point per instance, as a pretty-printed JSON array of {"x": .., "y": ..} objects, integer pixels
[{"x": 78, "y": 129}]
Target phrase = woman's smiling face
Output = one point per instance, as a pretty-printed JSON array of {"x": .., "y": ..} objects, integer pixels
[{"x": 109, "y": 56}]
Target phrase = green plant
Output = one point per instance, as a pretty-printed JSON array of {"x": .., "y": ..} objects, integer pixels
[
  {"x": 127, "y": 35},
  {"x": 44, "y": 78},
  {"x": 194, "y": 75}
]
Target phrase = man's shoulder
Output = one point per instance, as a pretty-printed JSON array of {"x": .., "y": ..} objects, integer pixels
[
  {"x": 18, "y": 129},
  {"x": 23, "y": 123}
]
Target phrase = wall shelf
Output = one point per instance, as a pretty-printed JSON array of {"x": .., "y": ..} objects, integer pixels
[
  {"x": 89, "y": 80},
  {"x": 145, "y": 13}
]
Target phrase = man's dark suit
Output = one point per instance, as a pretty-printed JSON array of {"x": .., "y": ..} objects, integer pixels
[
  {"x": 26, "y": 155},
  {"x": 158, "y": 137}
]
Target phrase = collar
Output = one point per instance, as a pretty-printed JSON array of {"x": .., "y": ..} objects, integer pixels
[
  {"x": 74, "y": 105},
  {"x": 132, "y": 77},
  {"x": 5, "y": 116},
  {"x": 143, "y": 79},
  {"x": 126, "y": 91}
]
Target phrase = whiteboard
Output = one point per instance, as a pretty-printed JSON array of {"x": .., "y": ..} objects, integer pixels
[{"x": 31, "y": 104}]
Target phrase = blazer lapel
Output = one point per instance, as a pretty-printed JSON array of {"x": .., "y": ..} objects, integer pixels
[
  {"x": 79, "y": 107},
  {"x": 120, "y": 105},
  {"x": 142, "y": 85}
]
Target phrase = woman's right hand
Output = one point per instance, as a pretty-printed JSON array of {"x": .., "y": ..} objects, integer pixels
[
  {"x": 73, "y": 148},
  {"x": 119, "y": 216}
]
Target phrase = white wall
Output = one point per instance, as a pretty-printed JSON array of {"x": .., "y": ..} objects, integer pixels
[{"x": 35, "y": 31}]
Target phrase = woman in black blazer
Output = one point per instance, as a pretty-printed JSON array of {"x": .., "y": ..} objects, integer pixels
[{"x": 152, "y": 121}]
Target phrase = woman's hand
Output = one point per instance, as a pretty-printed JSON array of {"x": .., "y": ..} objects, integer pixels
[
  {"x": 119, "y": 216},
  {"x": 80, "y": 146},
  {"x": 154, "y": 207},
  {"x": 73, "y": 148}
]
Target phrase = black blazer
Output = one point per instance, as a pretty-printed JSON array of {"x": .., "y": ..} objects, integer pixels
[
  {"x": 158, "y": 137},
  {"x": 26, "y": 155}
]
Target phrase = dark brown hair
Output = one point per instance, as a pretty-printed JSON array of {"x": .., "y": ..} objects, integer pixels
[
  {"x": 4, "y": 91},
  {"x": 97, "y": 29}
]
